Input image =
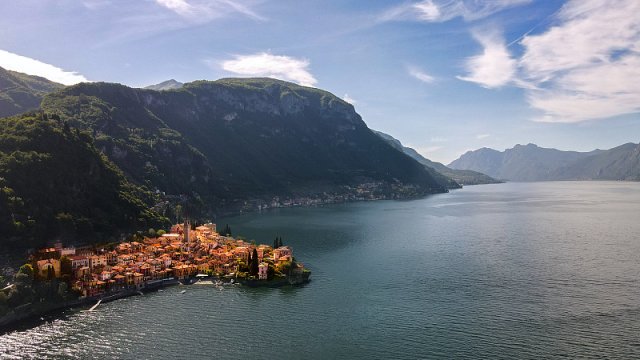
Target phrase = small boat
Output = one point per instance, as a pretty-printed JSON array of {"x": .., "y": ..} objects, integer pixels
[
  {"x": 183, "y": 291},
  {"x": 95, "y": 306}
]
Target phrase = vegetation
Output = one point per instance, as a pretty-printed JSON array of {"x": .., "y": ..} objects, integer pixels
[
  {"x": 21, "y": 92},
  {"x": 211, "y": 144},
  {"x": 104, "y": 159},
  {"x": 54, "y": 183}
]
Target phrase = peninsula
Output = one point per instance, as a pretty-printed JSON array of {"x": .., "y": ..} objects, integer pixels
[{"x": 61, "y": 277}]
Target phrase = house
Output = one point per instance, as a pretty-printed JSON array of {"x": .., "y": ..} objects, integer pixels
[
  {"x": 242, "y": 252},
  {"x": 78, "y": 261},
  {"x": 82, "y": 272},
  {"x": 282, "y": 252},
  {"x": 263, "y": 269},
  {"x": 105, "y": 275},
  {"x": 49, "y": 268},
  {"x": 97, "y": 260}
]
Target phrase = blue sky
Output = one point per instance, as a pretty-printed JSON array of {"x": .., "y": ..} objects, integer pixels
[{"x": 443, "y": 76}]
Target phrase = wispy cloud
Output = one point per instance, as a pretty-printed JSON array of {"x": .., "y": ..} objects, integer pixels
[
  {"x": 420, "y": 74},
  {"x": 23, "y": 64},
  {"x": 275, "y": 66},
  {"x": 445, "y": 10},
  {"x": 438, "y": 139},
  {"x": 206, "y": 10},
  {"x": 482, "y": 136},
  {"x": 584, "y": 67},
  {"x": 494, "y": 67},
  {"x": 587, "y": 66},
  {"x": 349, "y": 99}
]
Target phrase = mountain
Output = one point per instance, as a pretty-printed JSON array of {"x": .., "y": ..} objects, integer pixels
[
  {"x": 21, "y": 92},
  {"x": 83, "y": 194},
  {"x": 619, "y": 163},
  {"x": 449, "y": 178},
  {"x": 218, "y": 144},
  {"x": 533, "y": 163},
  {"x": 166, "y": 85}
]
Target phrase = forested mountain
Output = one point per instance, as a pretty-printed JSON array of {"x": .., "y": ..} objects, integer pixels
[
  {"x": 54, "y": 183},
  {"x": 21, "y": 92},
  {"x": 220, "y": 143},
  {"x": 449, "y": 178},
  {"x": 533, "y": 163}
]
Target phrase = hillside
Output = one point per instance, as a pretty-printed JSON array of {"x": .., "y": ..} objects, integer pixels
[
  {"x": 450, "y": 178},
  {"x": 84, "y": 195},
  {"x": 533, "y": 163},
  {"x": 619, "y": 163},
  {"x": 21, "y": 92},
  {"x": 220, "y": 143}
]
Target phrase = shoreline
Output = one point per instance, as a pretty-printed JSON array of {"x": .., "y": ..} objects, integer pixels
[{"x": 20, "y": 321}]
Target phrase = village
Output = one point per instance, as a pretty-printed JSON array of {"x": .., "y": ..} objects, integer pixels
[{"x": 184, "y": 255}]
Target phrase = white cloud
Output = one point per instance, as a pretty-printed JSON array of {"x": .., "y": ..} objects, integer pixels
[
  {"x": 420, "y": 75},
  {"x": 200, "y": 11},
  {"x": 445, "y": 10},
  {"x": 275, "y": 66},
  {"x": 23, "y": 64},
  {"x": 482, "y": 136},
  {"x": 349, "y": 99},
  {"x": 494, "y": 67},
  {"x": 587, "y": 66}
]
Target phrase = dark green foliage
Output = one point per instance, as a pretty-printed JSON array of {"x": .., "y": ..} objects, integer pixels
[
  {"x": 277, "y": 242},
  {"x": 21, "y": 92},
  {"x": 253, "y": 265},
  {"x": 226, "y": 231},
  {"x": 55, "y": 183},
  {"x": 65, "y": 266}
]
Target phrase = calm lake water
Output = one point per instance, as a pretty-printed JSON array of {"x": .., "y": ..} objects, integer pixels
[{"x": 517, "y": 270}]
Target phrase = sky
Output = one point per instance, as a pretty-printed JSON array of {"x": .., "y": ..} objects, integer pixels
[{"x": 442, "y": 76}]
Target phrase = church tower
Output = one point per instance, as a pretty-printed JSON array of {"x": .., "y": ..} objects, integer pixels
[{"x": 186, "y": 228}]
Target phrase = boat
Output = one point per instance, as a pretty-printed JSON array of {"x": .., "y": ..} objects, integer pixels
[
  {"x": 95, "y": 306},
  {"x": 183, "y": 291}
]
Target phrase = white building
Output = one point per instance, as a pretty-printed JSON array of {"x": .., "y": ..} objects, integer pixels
[{"x": 262, "y": 271}]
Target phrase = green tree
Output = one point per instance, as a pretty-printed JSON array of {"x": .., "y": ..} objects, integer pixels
[
  {"x": 226, "y": 231},
  {"x": 152, "y": 232},
  {"x": 254, "y": 263},
  {"x": 27, "y": 269},
  {"x": 65, "y": 266}
]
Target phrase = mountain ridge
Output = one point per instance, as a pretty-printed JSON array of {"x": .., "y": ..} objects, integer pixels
[
  {"x": 452, "y": 178},
  {"x": 533, "y": 163},
  {"x": 232, "y": 140},
  {"x": 21, "y": 92}
]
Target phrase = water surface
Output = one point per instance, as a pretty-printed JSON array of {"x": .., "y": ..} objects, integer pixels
[{"x": 517, "y": 270}]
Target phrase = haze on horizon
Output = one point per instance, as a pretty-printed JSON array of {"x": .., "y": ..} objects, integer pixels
[{"x": 443, "y": 76}]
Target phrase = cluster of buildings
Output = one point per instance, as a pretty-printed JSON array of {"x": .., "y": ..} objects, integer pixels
[{"x": 180, "y": 254}]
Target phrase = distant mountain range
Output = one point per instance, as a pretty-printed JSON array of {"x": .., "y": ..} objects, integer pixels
[
  {"x": 449, "y": 178},
  {"x": 533, "y": 163},
  {"x": 21, "y": 92}
]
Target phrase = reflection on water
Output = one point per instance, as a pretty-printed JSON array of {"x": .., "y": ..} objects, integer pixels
[{"x": 508, "y": 270}]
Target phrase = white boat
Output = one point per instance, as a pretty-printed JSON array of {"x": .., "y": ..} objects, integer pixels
[{"x": 183, "y": 291}]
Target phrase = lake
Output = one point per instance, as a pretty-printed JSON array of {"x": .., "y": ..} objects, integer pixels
[{"x": 516, "y": 270}]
